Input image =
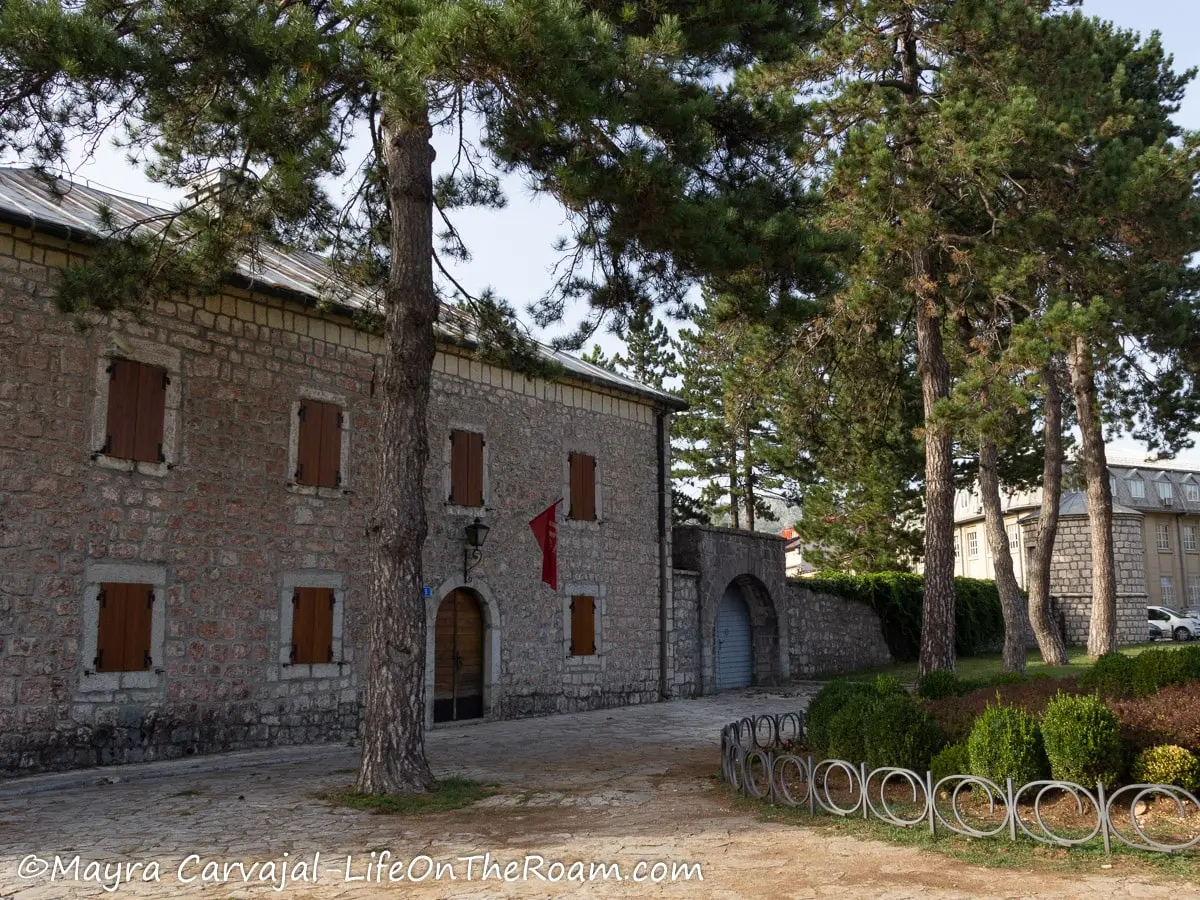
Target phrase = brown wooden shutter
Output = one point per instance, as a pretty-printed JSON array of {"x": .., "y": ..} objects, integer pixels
[
  {"x": 139, "y": 609},
  {"x": 110, "y": 633},
  {"x": 321, "y": 645},
  {"x": 151, "y": 411},
  {"x": 329, "y": 474},
  {"x": 466, "y": 468},
  {"x": 475, "y": 469},
  {"x": 121, "y": 424},
  {"x": 583, "y": 626},
  {"x": 308, "y": 448},
  {"x": 583, "y": 487},
  {"x": 303, "y": 609}
]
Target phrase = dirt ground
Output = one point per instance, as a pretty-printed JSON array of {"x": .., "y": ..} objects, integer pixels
[{"x": 617, "y": 787}]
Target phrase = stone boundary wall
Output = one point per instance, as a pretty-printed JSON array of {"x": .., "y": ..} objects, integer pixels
[
  {"x": 832, "y": 635},
  {"x": 685, "y": 633}
]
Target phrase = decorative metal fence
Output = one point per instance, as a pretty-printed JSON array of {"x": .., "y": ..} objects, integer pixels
[{"x": 757, "y": 759}]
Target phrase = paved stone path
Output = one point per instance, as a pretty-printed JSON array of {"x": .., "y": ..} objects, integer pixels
[{"x": 618, "y": 786}]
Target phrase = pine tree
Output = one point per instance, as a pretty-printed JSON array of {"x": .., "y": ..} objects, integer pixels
[{"x": 614, "y": 109}]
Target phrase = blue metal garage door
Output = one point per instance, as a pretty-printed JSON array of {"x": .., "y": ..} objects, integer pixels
[{"x": 734, "y": 657}]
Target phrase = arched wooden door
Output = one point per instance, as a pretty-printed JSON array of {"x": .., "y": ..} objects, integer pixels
[{"x": 458, "y": 658}]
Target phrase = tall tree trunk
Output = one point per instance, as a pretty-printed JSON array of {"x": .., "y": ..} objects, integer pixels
[
  {"x": 393, "y": 746},
  {"x": 937, "y": 618},
  {"x": 748, "y": 477},
  {"x": 1050, "y": 640},
  {"x": 1102, "y": 635},
  {"x": 1016, "y": 624},
  {"x": 734, "y": 493}
]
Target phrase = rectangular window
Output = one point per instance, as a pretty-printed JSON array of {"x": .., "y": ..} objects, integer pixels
[
  {"x": 583, "y": 626},
  {"x": 1193, "y": 493},
  {"x": 137, "y": 401},
  {"x": 957, "y": 546},
  {"x": 1166, "y": 493},
  {"x": 1013, "y": 536},
  {"x": 1189, "y": 537},
  {"x": 312, "y": 625},
  {"x": 123, "y": 635},
  {"x": 583, "y": 487},
  {"x": 319, "y": 449},
  {"x": 1194, "y": 590},
  {"x": 466, "y": 468},
  {"x": 973, "y": 544},
  {"x": 1166, "y": 585},
  {"x": 1137, "y": 488},
  {"x": 1164, "y": 537}
]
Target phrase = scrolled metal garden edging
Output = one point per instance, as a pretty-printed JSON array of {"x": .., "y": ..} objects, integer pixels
[{"x": 756, "y": 759}]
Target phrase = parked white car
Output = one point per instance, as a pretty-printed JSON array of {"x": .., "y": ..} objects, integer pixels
[{"x": 1182, "y": 626}]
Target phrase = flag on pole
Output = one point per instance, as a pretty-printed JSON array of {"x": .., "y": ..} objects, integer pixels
[{"x": 545, "y": 531}]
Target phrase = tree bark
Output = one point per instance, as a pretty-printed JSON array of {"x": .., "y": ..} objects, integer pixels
[
  {"x": 1102, "y": 635},
  {"x": 734, "y": 505},
  {"x": 393, "y": 746},
  {"x": 748, "y": 477},
  {"x": 1016, "y": 624},
  {"x": 1051, "y": 641}
]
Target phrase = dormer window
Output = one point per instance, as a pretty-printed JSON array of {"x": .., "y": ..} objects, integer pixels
[
  {"x": 1193, "y": 493},
  {"x": 1166, "y": 493},
  {"x": 1137, "y": 488}
]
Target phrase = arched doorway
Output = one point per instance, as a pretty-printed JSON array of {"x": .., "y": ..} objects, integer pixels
[
  {"x": 734, "y": 634},
  {"x": 458, "y": 658}
]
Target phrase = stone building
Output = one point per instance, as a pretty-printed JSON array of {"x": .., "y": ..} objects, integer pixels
[
  {"x": 1156, "y": 519},
  {"x": 182, "y": 504}
]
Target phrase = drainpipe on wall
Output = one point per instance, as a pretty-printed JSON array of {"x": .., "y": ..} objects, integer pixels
[{"x": 660, "y": 440}]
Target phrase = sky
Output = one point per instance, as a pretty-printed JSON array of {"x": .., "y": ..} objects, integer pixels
[{"x": 513, "y": 248}]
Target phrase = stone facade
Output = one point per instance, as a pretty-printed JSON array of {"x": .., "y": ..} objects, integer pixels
[
  {"x": 1071, "y": 576},
  {"x": 224, "y": 534}
]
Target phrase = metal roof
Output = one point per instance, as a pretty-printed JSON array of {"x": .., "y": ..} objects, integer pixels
[{"x": 71, "y": 209}]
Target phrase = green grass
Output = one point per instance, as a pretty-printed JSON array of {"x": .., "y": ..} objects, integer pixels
[
  {"x": 447, "y": 794},
  {"x": 989, "y": 666},
  {"x": 998, "y": 852}
]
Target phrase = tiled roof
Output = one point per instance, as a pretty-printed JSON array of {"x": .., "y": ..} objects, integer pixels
[{"x": 72, "y": 209}]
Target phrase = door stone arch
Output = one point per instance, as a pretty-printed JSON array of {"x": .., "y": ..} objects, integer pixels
[{"x": 491, "y": 640}]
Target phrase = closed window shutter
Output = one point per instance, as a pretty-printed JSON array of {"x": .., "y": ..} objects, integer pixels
[
  {"x": 139, "y": 608},
  {"x": 583, "y": 626},
  {"x": 329, "y": 474},
  {"x": 583, "y": 487},
  {"x": 466, "y": 468},
  {"x": 308, "y": 449},
  {"x": 321, "y": 644},
  {"x": 121, "y": 423},
  {"x": 303, "y": 611},
  {"x": 110, "y": 633},
  {"x": 151, "y": 411}
]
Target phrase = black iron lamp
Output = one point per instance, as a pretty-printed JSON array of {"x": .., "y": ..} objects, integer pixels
[{"x": 476, "y": 535}]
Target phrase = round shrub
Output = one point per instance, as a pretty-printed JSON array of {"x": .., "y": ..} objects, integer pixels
[
  {"x": 1157, "y": 668},
  {"x": 846, "y": 735},
  {"x": 1005, "y": 742},
  {"x": 1111, "y": 675},
  {"x": 1167, "y": 764},
  {"x": 1011, "y": 678},
  {"x": 886, "y": 685},
  {"x": 898, "y": 732},
  {"x": 824, "y": 706},
  {"x": 954, "y": 759},
  {"x": 939, "y": 684},
  {"x": 1082, "y": 740}
]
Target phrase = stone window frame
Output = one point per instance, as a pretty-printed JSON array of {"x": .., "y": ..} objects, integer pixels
[
  {"x": 96, "y": 575},
  {"x": 311, "y": 578},
  {"x": 592, "y": 449},
  {"x": 448, "y": 463},
  {"x": 1166, "y": 589},
  {"x": 1189, "y": 539},
  {"x": 122, "y": 346},
  {"x": 972, "y": 545},
  {"x": 318, "y": 395},
  {"x": 1162, "y": 538},
  {"x": 595, "y": 662}
]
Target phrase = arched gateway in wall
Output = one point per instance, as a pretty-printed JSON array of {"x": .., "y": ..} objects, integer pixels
[{"x": 741, "y": 591}]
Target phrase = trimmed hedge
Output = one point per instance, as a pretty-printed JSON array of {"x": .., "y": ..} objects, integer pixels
[
  {"x": 825, "y": 707},
  {"x": 1117, "y": 675},
  {"x": 1167, "y": 764},
  {"x": 941, "y": 683},
  {"x": 952, "y": 760},
  {"x": 1006, "y": 742},
  {"x": 897, "y": 599},
  {"x": 1082, "y": 740}
]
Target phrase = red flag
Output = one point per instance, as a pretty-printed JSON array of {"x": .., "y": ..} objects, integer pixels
[{"x": 545, "y": 531}]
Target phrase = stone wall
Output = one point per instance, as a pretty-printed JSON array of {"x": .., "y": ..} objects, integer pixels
[
  {"x": 685, "y": 633},
  {"x": 223, "y": 534},
  {"x": 832, "y": 635},
  {"x": 1071, "y": 576}
]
